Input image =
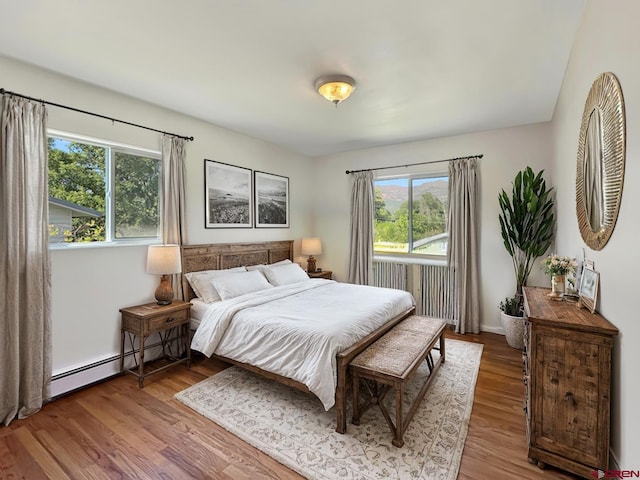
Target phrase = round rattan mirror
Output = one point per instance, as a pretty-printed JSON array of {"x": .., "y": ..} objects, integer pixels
[{"x": 600, "y": 163}]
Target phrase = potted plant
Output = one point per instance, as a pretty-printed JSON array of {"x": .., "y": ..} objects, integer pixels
[
  {"x": 511, "y": 315},
  {"x": 527, "y": 224}
]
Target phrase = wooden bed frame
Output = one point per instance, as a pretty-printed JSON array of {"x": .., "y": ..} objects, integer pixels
[{"x": 228, "y": 255}]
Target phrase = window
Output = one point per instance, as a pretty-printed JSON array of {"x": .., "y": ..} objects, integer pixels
[
  {"x": 102, "y": 192},
  {"x": 411, "y": 215}
]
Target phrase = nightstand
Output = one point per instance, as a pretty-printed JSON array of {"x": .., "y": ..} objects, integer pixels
[
  {"x": 143, "y": 321},
  {"x": 323, "y": 274}
]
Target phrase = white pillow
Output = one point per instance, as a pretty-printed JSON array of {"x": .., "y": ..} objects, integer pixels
[
  {"x": 285, "y": 274},
  {"x": 201, "y": 282},
  {"x": 251, "y": 268},
  {"x": 286, "y": 261},
  {"x": 230, "y": 286},
  {"x": 262, "y": 266}
]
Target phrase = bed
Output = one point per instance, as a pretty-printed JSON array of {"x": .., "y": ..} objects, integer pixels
[{"x": 219, "y": 327}]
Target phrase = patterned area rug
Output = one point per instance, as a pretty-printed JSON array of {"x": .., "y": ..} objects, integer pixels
[{"x": 294, "y": 428}]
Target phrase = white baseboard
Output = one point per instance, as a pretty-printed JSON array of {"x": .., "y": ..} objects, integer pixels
[
  {"x": 80, "y": 377},
  {"x": 498, "y": 330}
]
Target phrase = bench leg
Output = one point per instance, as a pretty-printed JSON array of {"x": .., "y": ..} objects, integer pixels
[
  {"x": 429, "y": 361},
  {"x": 341, "y": 397},
  {"x": 355, "y": 415},
  {"x": 399, "y": 430},
  {"x": 442, "y": 352}
]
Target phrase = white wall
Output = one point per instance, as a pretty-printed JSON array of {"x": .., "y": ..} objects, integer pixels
[
  {"x": 505, "y": 152},
  {"x": 90, "y": 285},
  {"x": 608, "y": 40}
]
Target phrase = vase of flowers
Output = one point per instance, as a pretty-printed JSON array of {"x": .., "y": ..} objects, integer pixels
[
  {"x": 557, "y": 285},
  {"x": 558, "y": 267}
]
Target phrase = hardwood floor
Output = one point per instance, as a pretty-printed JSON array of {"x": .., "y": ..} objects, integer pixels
[
  {"x": 114, "y": 430},
  {"x": 496, "y": 445}
]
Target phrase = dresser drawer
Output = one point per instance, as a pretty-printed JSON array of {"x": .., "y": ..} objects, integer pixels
[{"x": 163, "y": 322}]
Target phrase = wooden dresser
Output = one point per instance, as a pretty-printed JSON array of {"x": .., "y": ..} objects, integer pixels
[{"x": 567, "y": 376}]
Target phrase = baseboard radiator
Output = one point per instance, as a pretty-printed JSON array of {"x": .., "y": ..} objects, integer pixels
[
  {"x": 437, "y": 287},
  {"x": 390, "y": 275},
  {"x": 431, "y": 286},
  {"x": 67, "y": 381}
]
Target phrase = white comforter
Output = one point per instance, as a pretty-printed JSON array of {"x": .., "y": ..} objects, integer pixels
[{"x": 296, "y": 330}]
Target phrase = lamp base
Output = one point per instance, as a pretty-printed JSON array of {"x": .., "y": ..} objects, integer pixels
[
  {"x": 164, "y": 292},
  {"x": 311, "y": 264}
]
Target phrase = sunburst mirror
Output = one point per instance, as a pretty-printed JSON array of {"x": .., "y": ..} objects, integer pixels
[{"x": 601, "y": 159}]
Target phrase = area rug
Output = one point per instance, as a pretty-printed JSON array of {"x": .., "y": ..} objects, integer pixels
[{"x": 294, "y": 428}]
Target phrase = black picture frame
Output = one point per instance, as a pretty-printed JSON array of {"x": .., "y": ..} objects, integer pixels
[
  {"x": 271, "y": 197},
  {"x": 228, "y": 201}
]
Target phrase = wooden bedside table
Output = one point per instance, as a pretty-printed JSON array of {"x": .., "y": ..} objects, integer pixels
[
  {"x": 323, "y": 274},
  {"x": 144, "y": 320}
]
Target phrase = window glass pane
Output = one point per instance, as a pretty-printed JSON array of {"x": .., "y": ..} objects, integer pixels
[
  {"x": 76, "y": 191},
  {"x": 411, "y": 215},
  {"x": 429, "y": 215},
  {"x": 391, "y": 230},
  {"x": 136, "y": 183}
]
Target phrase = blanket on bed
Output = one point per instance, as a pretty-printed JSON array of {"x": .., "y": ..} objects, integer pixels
[{"x": 296, "y": 330}]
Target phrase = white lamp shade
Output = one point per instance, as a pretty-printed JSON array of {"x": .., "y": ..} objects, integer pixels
[
  {"x": 163, "y": 259},
  {"x": 311, "y": 246}
]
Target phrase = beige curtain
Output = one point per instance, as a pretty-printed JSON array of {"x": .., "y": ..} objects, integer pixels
[
  {"x": 174, "y": 229},
  {"x": 463, "y": 243},
  {"x": 362, "y": 217},
  {"x": 25, "y": 283}
]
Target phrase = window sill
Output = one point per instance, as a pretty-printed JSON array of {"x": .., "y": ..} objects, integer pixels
[
  {"x": 412, "y": 259},
  {"x": 89, "y": 245}
]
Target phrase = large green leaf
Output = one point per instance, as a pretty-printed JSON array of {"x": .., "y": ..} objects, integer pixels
[{"x": 527, "y": 222}]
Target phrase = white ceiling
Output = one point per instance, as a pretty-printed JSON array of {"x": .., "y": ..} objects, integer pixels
[{"x": 425, "y": 68}]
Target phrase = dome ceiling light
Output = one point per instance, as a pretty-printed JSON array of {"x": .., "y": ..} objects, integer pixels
[{"x": 335, "y": 88}]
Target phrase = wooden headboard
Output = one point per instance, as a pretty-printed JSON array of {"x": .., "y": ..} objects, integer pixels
[{"x": 219, "y": 256}]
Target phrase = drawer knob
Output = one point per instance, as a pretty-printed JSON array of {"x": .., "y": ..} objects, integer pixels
[
  {"x": 570, "y": 398},
  {"x": 170, "y": 319}
]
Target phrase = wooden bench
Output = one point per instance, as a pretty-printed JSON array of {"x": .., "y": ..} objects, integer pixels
[{"x": 390, "y": 362}]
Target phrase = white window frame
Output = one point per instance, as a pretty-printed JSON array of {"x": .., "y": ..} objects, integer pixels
[
  {"x": 110, "y": 239},
  {"x": 408, "y": 257}
]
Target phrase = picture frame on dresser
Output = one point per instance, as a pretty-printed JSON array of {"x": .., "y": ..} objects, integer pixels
[
  {"x": 271, "y": 200},
  {"x": 228, "y": 195},
  {"x": 588, "y": 292}
]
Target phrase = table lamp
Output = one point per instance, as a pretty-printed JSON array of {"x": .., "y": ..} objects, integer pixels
[
  {"x": 311, "y": 247},
  {"x": 164, "y": 260}
]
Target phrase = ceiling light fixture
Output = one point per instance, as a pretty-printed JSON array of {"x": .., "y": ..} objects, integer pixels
[{"x": 335, "y": 88}]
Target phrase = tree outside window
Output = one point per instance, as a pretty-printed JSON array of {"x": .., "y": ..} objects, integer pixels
[{"x": 101, "y": 192}]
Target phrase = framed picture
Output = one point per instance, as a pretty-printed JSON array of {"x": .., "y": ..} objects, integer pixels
[
  {"x": 271, "y": 200},
  {"x": 227, "y": 194},
  {"x": 589, "y": 288}
]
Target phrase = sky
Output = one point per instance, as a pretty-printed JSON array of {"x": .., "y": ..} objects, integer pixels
[{"x": 402, "y": 182}]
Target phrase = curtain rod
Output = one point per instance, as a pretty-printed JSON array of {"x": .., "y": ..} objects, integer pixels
[
  {"x": 3, "y": 91},
  {"x": 412, "y": 164}
]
